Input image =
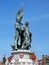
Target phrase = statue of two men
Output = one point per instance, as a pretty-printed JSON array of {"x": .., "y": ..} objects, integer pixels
[
  {"x": 22, "y": 37},
  {"x": 22, "y": 34}
]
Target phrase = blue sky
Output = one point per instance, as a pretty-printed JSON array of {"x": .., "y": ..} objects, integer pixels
[{"x": 36, "y": 12}]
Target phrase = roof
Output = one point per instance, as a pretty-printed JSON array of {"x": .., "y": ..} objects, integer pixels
[{"x": 1, "y": 63}]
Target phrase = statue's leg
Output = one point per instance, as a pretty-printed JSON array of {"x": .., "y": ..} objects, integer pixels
[
  {"x": 23, "y": 44},
  {"x": 16, "y": 40},
  {"x": 19, "y": 41},
  {"x": 27, "y": 43},
  {"x": 16, "y": 44},
  {"x": 27, "y": 46}
]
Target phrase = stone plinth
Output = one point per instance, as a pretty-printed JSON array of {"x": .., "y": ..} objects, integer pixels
[
  {"x": 22, "y": 57},
  {"x": 21, "y": 54}
]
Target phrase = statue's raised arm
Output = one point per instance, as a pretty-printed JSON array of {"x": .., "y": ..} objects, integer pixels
[{"x": 19, "y": 15}]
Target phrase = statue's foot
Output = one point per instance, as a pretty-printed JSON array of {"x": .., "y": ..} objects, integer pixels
[{"x": 15, "y": 49}]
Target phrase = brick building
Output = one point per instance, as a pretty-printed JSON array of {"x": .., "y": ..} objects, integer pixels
[{"x": 45, "y": 60}]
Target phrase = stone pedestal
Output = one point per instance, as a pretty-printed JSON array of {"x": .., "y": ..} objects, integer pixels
[{"x": 22, "y": 57}]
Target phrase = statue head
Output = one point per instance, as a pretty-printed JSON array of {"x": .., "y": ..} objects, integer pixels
[{"x": 26, "y": 23}]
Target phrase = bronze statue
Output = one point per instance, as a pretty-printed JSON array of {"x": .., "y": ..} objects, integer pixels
[{"x": 23, "y": 35}]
